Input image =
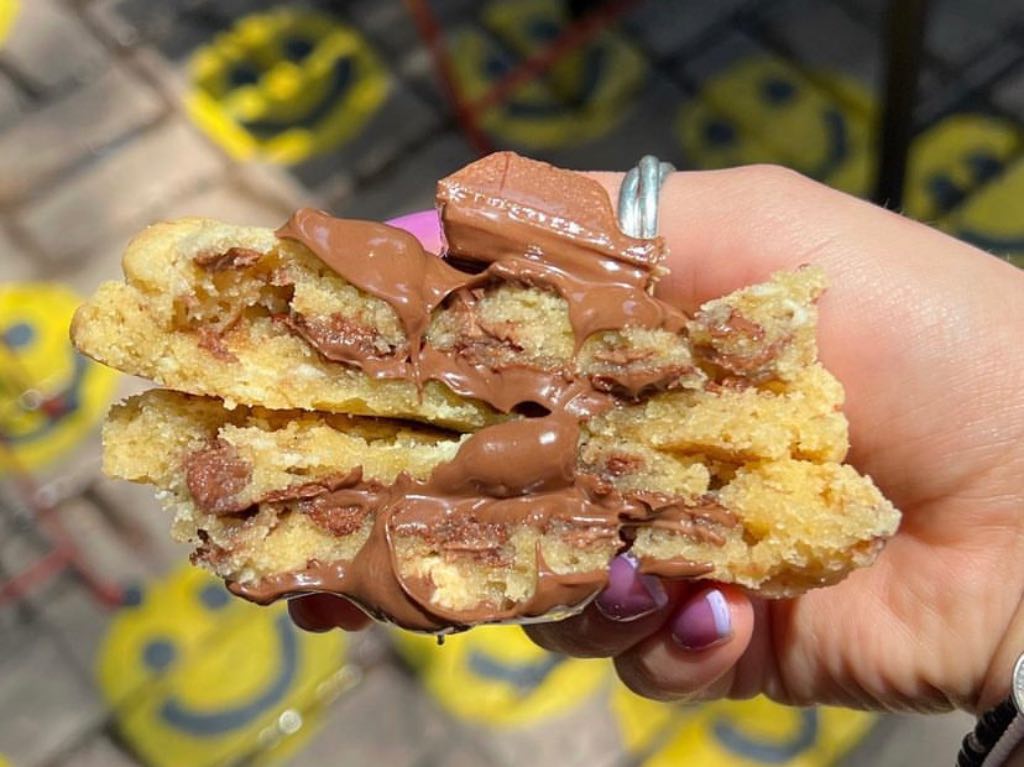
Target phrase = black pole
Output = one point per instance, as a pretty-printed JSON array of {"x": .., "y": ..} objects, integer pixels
[{"x": 904, "y": 42}]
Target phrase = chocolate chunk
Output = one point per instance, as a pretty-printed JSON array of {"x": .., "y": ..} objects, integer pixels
[
  {"x": 232, "y": 258},
  {"x": 216, "y": 476}
]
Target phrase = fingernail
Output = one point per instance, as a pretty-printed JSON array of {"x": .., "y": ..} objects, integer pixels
[
  {"x": 630, "y": 594},
  {"x": 704, "y": 621},
  {"x": 424, "y": 226}
]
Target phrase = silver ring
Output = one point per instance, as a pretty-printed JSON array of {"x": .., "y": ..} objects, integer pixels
[
  {"x": 1017, "y": 686},
  {"x": 638, "y": 196}
]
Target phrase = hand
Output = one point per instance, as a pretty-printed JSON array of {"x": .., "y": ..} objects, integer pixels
[{"x": 923, "y": 331}]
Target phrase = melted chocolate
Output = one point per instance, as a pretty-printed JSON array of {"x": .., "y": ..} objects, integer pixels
[
  {"x": 524, "y": 222},
  {"x": 506, "y": 219},
  {"x": 216, "y": 476},
  {"x": 515, "y": 473}
]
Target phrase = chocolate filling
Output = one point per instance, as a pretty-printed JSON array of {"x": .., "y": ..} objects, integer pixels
[
  {"x": 216, "y": 477},
  {"x": 505, "y": 219},
  {"x": 517, "y": 221},
  {"x": 232, "y": 258},
  {"x": 512, "y": 474}
]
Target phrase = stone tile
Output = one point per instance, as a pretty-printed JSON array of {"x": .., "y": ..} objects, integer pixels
[
  {"x": 21, "y": 547},
  {"x": 385, "y": 721},
  {"x": 668, "y": 27},
  {"x": 391, "y": 26},
  {"x": 77, "y": 621},
  {"x": 1008, "y": 93},
  {"x": 73, "y": 129},
  {"x": 228, "y": 202},
  {"x": 15, "y": 263},
  {"x": 105, "y": 14},
  {"x": 51, "y": 48},
  {"x": 754, "y": 106},
  {"x": 110, "y": 539},
  {"x": 119, "y": 192},
  {"x": 913, "y": 740},
  {"x": 176, "y": 27},
  {"x": 408, "y": 185},
  {"x": 273, "y": 185},
  {"x": 648, "y": 125},
  {"x": 99, "y": 751},
  {"x": 144, "y": 522},
  {"x": 45, "y": 703},
  {"x": 403, "y": 120},
  {"x": 825, "y": 37},
  {"x": 556, "y": 739},
  {"x": 956, "y": 31},
  {"x": 12, "y": 102},
  {"x": 461, "y": 752}
]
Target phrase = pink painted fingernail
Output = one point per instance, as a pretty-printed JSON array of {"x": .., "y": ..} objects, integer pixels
[
  {"x": 630, "y": 594},
  {"x": 703, "y": 622},
  {"x": 424, "y": 225}
]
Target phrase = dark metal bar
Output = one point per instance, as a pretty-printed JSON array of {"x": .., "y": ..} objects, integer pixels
[{"x": 904, "y": 44}]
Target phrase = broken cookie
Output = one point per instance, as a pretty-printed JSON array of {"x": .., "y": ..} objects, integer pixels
[{"x": 471, "y": 438}]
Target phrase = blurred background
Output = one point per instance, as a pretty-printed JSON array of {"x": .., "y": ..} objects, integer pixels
[{"x": 114, "y": 113}]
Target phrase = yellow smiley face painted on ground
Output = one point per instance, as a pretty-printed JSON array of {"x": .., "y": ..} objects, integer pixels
[
  {"x": 51, "y": 397},
  {"x": 286, "y": 85},
  {"x": 8, "y": 10},
  {"x": 582, "y": 97},
  {"x": 760, "y": 109},
  {"x": 495, "y": 676},
  {"x": 993, "y": 218},
  {"x": 196, "y": 677},
  {"x": 4, "y": 762},
  {"x": 643, "y": 721},
  {"x": 954, "y": 158},
  {"x": 759, "y": 732}
]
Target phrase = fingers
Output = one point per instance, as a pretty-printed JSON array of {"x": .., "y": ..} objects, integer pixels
[
  {"x": 630, "y": 608},
  {"x": 693, "y": 655},
  {"x": 323, "y": 612}
]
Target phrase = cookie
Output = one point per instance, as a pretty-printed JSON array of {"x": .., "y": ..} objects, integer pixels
[{"x": 467, "y": 439}]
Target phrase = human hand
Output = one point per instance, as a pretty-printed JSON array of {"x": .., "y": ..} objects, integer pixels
[{"x": 922, "y": 331}]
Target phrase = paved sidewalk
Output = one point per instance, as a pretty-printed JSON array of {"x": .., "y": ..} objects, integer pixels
[{"x": 115, "y": 113}]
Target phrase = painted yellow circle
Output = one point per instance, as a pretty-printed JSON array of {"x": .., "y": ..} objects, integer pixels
[
  {"x": 759, "y": 732},
  {"x": 8, "y": 10},
  {"x": 285, "y": 85},
  {"x": 993, "y": 218},
  {"x": 51, "y": 397},
  {"x": 954, "y": 158},
  {"x": 642, "y": 721},
  {"x": 761, "y": 109},
  {"x": 4, "y": 762},
  {"x": 197, "y": 677},
  {"x": 582, "y": 97},
  {"x": 494, "y": 675}
]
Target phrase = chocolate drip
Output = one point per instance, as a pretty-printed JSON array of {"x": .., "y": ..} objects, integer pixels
[
  {"x": 522, "y": 222},
  {"x": 506, "y": 219},
  {"x": 518, "y": 473}
]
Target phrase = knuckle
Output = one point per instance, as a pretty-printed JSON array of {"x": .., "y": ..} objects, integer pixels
[
  {"x": 634, "y": 672},
  {"x": 777, "y": 178}
]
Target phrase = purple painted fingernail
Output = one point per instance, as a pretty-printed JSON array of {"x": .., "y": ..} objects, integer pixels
[
  {"x": 704, "y": 621},
  {"x": 424, "y": 225},
  {"x": 630, "y": 594}
]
